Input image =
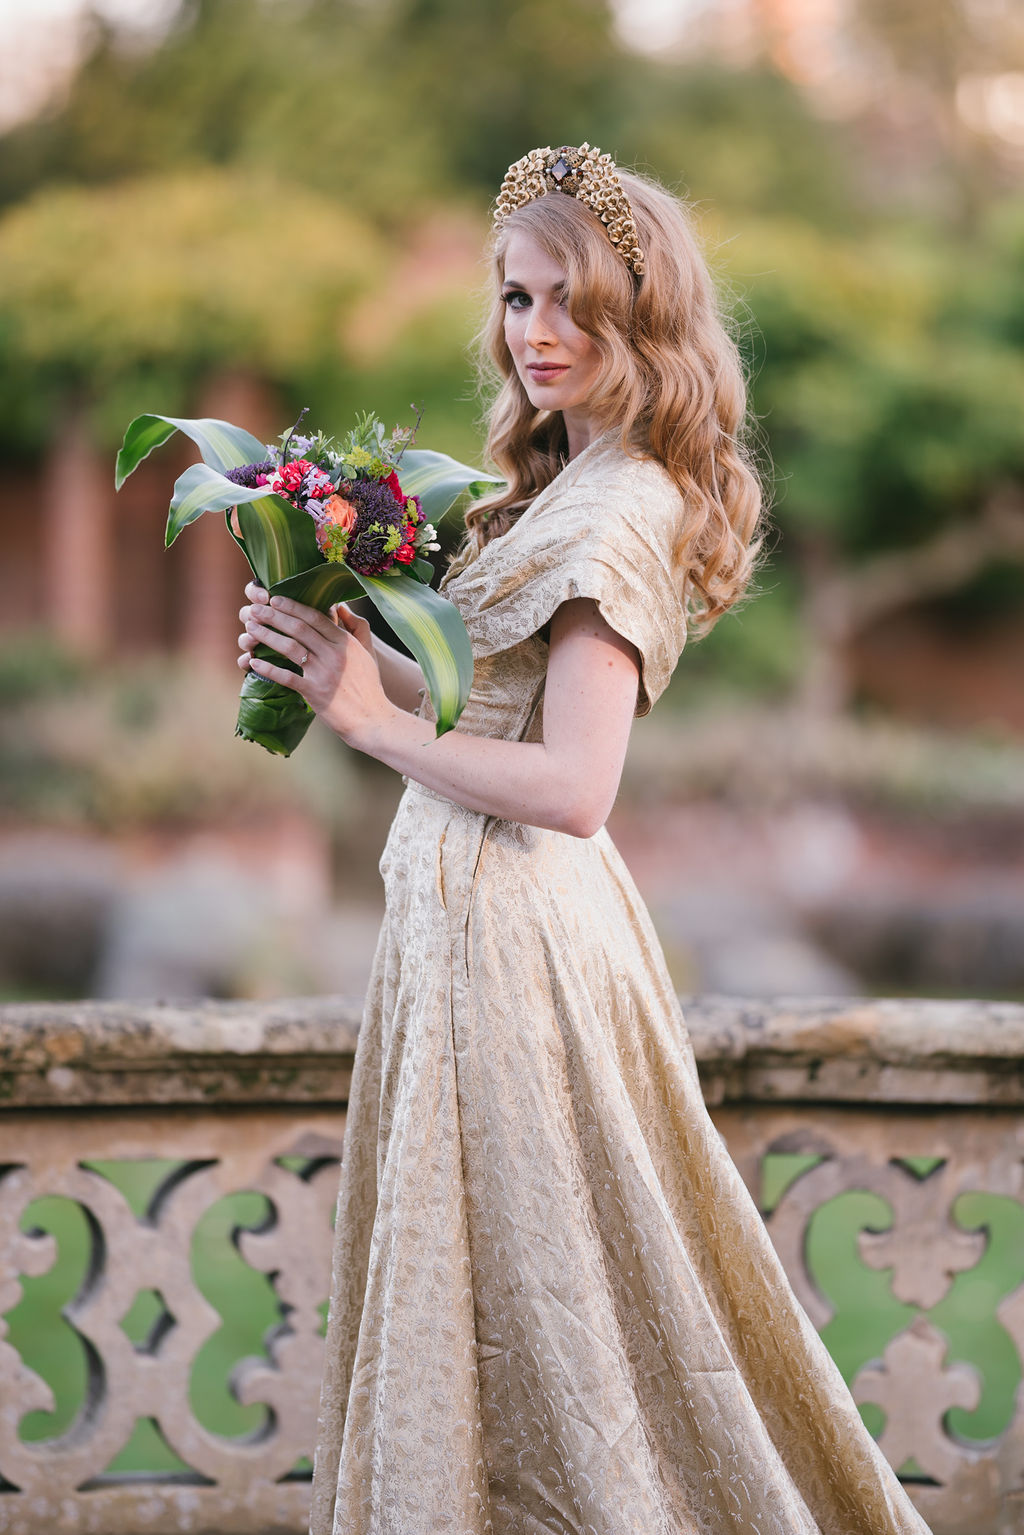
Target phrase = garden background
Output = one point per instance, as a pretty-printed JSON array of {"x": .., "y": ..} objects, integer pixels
[{"x": 244, "y": 207}]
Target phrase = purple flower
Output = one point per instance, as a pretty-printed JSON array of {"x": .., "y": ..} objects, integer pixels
[
  {"x": 379, "y": 525},
  {"x": 252, "y": 476}
]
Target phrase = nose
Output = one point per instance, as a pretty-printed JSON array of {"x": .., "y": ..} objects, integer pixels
[{"x": 538, "y": 332}]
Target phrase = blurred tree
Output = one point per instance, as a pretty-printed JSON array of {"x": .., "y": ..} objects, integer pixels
[
  {"x": 127, "y": 296},
  {"x": 892, "y": 392},
  {"x": 302, "y": 90},
  {"x": 392, "y": 105},
  {"x": 927, "y": 53},
  {"x": 238, "y": 194}
]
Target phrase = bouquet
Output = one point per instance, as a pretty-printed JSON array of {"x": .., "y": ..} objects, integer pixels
[{"x": 323, "y": 521}]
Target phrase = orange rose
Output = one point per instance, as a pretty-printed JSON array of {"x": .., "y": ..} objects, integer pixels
[
  {"x": 340, "y": 513},
  {"x": 336, "y": 521}
]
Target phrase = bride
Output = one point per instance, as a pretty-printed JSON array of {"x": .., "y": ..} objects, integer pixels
[{"x": 555, "y": 1308}]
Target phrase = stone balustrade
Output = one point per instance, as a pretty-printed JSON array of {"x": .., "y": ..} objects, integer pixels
[{"x": 914, "y": 1104}]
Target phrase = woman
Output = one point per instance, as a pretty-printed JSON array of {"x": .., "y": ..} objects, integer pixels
[{"x": 555, "y": 1306}]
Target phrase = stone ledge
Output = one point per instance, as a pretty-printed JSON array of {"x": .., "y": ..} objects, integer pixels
[
  {"x": 914, "y": 1051},
  {"x": 93, "y": 1054}
]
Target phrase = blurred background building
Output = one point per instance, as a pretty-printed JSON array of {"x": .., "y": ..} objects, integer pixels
[{"x": 243, "y": 207}]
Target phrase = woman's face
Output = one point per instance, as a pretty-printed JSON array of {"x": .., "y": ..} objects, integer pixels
[{"x": 558, "y": 364}]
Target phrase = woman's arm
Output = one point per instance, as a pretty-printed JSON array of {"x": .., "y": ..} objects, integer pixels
[
  {"x": 401, "y": 678},
  {"x": 566, "y": 782}
]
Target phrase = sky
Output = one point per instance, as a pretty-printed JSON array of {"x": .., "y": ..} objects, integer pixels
[{"x": 41, "y": 39}]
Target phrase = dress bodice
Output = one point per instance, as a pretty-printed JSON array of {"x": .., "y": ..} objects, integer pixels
[{"x": 609, "y": 527}]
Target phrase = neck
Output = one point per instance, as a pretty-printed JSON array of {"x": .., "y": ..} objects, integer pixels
[{"x": 580, "y": 430}]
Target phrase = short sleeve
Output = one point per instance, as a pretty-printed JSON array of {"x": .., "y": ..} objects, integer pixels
[{"x": 612, "y": 536}]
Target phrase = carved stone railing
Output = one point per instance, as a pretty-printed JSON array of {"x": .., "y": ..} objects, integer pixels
[{"x": 917, "y": 1105}]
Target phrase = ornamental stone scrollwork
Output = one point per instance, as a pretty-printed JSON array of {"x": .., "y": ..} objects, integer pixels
[
  {"x": 963, "y": 1487},
  {"x": 914, "y": 1373},
  {"x": 918, "y": 1105},
  {"x": 240, "y": 1483}
]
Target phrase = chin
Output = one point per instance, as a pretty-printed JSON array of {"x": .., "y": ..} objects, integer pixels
[{"x": 547, "y": 397}]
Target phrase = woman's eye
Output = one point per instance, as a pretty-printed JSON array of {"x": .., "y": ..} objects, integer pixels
[{"x": 516, "y": 300}]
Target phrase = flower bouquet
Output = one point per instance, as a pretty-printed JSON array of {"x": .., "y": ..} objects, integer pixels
[{"x": 324, "y": 521}]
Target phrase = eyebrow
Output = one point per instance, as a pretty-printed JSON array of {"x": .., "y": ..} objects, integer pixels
[{"x": 512, "y": 282}]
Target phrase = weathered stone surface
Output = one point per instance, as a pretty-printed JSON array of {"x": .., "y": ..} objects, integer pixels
[
  {"x": 300, "y": 1051},
  {"x": 93, "y": 1053},
  {"x": 233, "y": 1092}
]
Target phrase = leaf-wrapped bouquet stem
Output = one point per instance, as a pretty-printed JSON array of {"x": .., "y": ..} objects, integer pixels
[{"x": 279, "y": 515}]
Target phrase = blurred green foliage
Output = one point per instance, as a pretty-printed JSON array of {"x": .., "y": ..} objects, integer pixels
[{"x": 270, "y": 186}]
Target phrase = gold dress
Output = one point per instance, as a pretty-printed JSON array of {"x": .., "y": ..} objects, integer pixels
[{"x": 556, "y": 1310}]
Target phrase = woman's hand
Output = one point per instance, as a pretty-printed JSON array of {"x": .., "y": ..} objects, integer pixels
[{"x": 338, "y": 675}]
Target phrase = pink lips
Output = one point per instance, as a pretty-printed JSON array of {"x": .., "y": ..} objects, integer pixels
[{"x": 546, "y": 372}]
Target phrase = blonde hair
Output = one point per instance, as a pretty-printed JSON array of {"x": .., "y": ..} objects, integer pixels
[{"x": 671, "y": 379}]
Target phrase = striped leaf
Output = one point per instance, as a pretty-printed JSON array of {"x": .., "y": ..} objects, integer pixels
[
  {"x": 202, "y": 489},
  {"x": 440, "y": 481},
  {"x": 220, "y": 444},
  {"x": 433, "y": 630},
  {"x": 320, "y": 587},
  {"x": 278, "y": 539}
]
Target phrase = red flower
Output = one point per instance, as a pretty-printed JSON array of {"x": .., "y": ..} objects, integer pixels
[
  {"x": 406, "y": 554},
  {"x": 290, "y": 475},
  {"x": 395, "y": 488}
]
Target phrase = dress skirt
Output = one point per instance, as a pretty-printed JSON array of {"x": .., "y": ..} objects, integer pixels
[{"x": 556, "y": 1309}]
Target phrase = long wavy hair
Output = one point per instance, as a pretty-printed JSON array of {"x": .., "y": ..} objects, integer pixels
[{"x": 671, "y": 379}]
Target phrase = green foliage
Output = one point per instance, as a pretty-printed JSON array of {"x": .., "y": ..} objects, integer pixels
[
  {"x": 178, "y": 276},
  {"x": 891, "y": 407},
  {"x": 35, "y": 667},
  {"x": 432, "y": 629},
  {"x": 149, "y": 744},
  {"x": 243, "y": 194}
]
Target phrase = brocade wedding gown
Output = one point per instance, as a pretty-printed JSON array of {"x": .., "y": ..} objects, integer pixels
[{"x": 556, "y": 1310}]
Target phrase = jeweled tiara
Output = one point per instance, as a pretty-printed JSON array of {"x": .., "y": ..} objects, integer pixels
[{"x": 584, "y": 173}]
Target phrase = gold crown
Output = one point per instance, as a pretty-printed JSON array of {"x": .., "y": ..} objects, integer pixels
[{"x": 584, "y": 173}]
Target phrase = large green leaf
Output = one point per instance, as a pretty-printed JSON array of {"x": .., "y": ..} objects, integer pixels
[
  {"x": 279, "y": 540},
  {"x": 433, "y": 630},
  {"x": 202, "y": 489},
  {"x": 320, "y": 587},
  {"x": 440, "y": 481},
  {"x": 221, "y": 445},
  {"x": 272, "y": 716}
]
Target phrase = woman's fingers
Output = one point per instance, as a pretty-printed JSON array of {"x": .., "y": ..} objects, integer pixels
[
  {"x": 281, "y": 674},
  {"x": 298, "y": 611},
  {"x": 356, "y": 626},
  {"x": 286, "y": 644}
]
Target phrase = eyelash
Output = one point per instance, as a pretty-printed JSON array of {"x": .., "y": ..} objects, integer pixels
[{"x": 507, "y": 298}]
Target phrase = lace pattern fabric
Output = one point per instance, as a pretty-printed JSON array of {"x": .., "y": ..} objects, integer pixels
[{"x": 556, "y": 1310}]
